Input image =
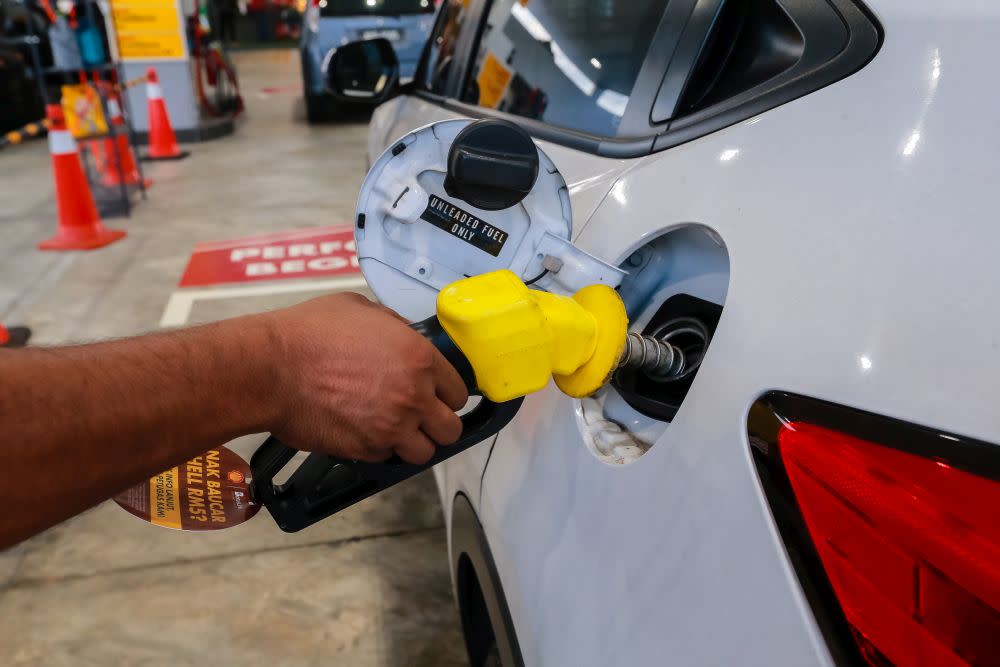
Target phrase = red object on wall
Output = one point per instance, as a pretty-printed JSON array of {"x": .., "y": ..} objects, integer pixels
[{"x": 306, "y": 253}]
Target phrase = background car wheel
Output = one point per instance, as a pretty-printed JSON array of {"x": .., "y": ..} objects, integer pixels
[
  {"x": 319, "y": 108},
  {"x": 493, "y": 657}
]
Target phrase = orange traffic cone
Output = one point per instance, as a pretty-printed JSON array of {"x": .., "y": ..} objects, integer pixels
[
  {"x": 14, "y": 337},
  {"x": 117, "y": 165},
  {"x": 162, "y": 142},
  {"x": 80, "y": 225}
]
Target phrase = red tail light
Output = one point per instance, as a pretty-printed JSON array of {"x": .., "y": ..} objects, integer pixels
[{"x": 910, "y": 546}]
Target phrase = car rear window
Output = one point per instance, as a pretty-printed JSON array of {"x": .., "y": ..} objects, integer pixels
[
  {"x": 570, "y": 63},
  {"x": 375, "y": 7}
]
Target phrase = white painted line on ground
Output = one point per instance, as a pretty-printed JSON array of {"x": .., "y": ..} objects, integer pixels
[
  {"x": 179, "y": 305},
  {"x": 264, "y": 239}
]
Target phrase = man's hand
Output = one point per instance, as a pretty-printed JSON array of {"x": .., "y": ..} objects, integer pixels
[
  {"x": 355, "y": 381},
  {"x": 337, "y": 374}
]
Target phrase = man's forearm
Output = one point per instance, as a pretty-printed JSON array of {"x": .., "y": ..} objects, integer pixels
[
  {"x": 82, "y": 423},
  {"x": 337, "y": 374}
]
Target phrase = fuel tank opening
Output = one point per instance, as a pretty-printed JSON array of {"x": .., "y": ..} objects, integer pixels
[
  {"x": 685, "y": 323},
  {"x": 674, "y": 294}
]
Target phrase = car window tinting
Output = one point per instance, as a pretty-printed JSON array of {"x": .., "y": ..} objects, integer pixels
[
  {"x": 439, "y": 65},
  {"x": 374, "y": 7},
  {"x": 571, "y": 63}
]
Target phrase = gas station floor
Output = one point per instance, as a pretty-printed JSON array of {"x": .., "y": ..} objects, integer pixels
[{"x": 367, "y": 587}]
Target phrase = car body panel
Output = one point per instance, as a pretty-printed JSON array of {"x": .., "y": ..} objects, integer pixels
[
  {"x": 853, "y": 219},
  {"x": 857, "y": 221}
]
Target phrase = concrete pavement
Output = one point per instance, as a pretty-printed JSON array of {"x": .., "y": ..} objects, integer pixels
[{"x": 368, "y": 587}]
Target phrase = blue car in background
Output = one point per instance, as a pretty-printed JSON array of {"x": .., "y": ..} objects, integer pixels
[{"x": 332, "y": 23}]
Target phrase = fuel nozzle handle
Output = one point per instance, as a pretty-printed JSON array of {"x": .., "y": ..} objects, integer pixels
[
  {"x": 324, "y": 485},
  {"x": 506, "y": 341},
  {"x": 432, "y": 330}
]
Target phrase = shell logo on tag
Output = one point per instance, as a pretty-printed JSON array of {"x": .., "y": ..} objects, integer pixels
[
  {"x": 209, "y": 492},
  {"x": 82, "y": 108}
]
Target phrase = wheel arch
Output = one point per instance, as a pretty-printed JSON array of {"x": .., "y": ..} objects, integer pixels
[{"x": 479, "y": 593}]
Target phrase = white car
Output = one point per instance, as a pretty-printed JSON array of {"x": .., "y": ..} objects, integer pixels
[{"x": 813, "y": 182}]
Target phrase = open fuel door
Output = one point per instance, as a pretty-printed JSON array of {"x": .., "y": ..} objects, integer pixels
[{"x": 448, "y": 201}]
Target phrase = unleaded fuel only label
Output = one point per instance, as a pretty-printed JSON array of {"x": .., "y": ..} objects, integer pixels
[{"x": 462, "y": 224}]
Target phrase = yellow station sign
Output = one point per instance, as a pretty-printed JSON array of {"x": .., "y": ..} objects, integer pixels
[{"x": 148, "y": 29}]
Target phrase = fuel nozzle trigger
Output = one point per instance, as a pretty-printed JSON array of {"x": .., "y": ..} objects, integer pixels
[{"x": 324, "y": 485}]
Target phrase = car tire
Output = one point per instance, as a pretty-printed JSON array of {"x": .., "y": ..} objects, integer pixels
[
  {"x": 319, "y": 108},
  {"x": 490, "y": 639},
  {"x": 493, "y": 657}
]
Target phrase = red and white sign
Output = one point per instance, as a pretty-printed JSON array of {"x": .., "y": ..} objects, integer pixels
[{"x": 307, "y": 253}]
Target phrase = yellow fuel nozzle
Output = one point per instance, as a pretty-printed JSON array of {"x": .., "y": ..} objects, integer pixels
[{"x": 516, "y": 338}]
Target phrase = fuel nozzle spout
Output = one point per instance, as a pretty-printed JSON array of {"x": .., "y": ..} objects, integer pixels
[
  {"x": 671, "y": 352},
  {"x": 656, "y": 358}
]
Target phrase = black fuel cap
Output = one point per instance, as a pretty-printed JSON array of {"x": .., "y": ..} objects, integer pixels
[{"x": 492, "y": 165}]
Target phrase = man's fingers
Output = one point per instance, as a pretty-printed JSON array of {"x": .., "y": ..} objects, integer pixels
[
  {"x": 416, "y": 448},
  {"x": 441, "y": 423},
  {"x": 373, "y": 454},
  {"x": 449, "y": 386}
]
